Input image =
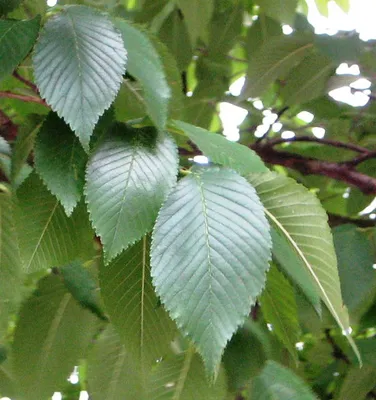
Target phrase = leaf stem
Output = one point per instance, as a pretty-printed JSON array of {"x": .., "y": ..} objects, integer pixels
[{"x": 22, "y": 97}]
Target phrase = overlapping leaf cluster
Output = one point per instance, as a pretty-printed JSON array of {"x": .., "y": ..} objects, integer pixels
[{"x": 121, "y": 255}]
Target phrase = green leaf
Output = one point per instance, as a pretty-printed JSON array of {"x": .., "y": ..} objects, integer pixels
[
  {"x": 7, "y": 384},
  {"x": 47, "y": 237},
  {"x": 81, "y": 285},
  {"x": 279, "y": 309},
  {"x": 298, "y": 215},
  {"x": 355, "y": 259},
  {"x": 274, "y": 59},
  {"x": 307, "y": 80},
  {"x": 16, "y": 40},
  {"x": 206, "y": 276},
  {"x": 358, "y": 383},
  {"x": 132, "y": 305},
  {"x": 10, "y": 262},
  {"x": 244, "y": 357},
  {"x": 128, "y": 177},
  {"x": 52, "y": 334},
  {"x": 197, "y": 15},
  {"x": 340, "y": 49},
  {"x": 60, "y": 161},
  {"x": 184, "y": 378},
  {"x": 79, "y": 61},
  {"x": 146, "y": 66},
  {"x": 294, "y": 267},
  {"x": 222, "y": 151},
  {"x": 344, "y": 4},
  {"x": 281, "y": 10},
  {"x": 112, "y": 373},
  {"x": 22, "y": 147},
  {"x": 277, "y": 382},
  {"x": 262, "y": 30},
  {"x": 174, "y": 34}
]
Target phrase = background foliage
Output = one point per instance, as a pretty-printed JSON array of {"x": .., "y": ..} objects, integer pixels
[{"x": 151, "y": 276}]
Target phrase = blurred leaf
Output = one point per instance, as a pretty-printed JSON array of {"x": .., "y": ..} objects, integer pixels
[
  {"x": 307, "y": 81},
  {"x": 358, "y": 382},
  {"x": 358, "y": 201},
  {"x": 344, "y": 4},
  {"x": 112, "y": 373},
  {"x": 53, "y": 332},
  {"x": 8, "y": 5},
  {"x": 279, "y": 309},
  {"x": 355, "y": 259},
  {"x": 47, "y": 237},
  {"x": 339, "y": 49},
  {"x": 278, "y": 382},
  {"x": 130, "y": 300},
  {"x": 273, "y": 60},
  {"x": 197, "y": 15},
  {"x": 16, "y": 40},
  {"x": 60, "y": 161},
  {"x": 129, "y": 175},
  {"x": 183, "y": 378},
  {"x": 10, "y": 263},
  {"x": 86, "y": 71},
  {"x": 243, "y": 358},
  {"x": 222, "y": 275},
  {"x": 280, "y": 10}
]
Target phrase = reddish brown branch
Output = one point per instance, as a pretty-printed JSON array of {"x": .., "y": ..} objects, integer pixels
[
  {"x": 311, "y": 166},
  {"x": 26, "y": 82},
  {"x": 335, "y": 220},
  {"x": 328, "y": 142},
  {"x": 22, "y": 97},
  {"x": 8, "y": 129}
]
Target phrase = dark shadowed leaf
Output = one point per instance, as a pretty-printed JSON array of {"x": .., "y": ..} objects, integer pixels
[
  {"x": 60, "y": 160},
  {"x": 16, "y": 40}
]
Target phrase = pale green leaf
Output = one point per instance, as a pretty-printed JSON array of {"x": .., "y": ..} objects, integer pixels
[
  {"x": 274, "y": 59},
  {"x": 112, "y": 374},
  {"x": 208, "y": 277},
  {"x": 344, "y": 4},
  {"x": 52, "y": 334},
  {"x": 60, "y": 161},
  {"x": 146, "y": 66},
  {"x": 197, "y": 15},
  {"x": 82, "y": 286},
  {"x": 16, "y": 40},
  {"x": 184, "y": 378},
  {"x": 48, "y": 238},
  {"x": 222, "y": 151},
  {"x": 7, "y": 383},
  {"x": 128, "y": 177},
  {"x": 278, "y": 382},
  {"x": 10, "y": 262},
  {"x": 307, "y": 80},
  {"x": 298, "y": 215},
  {"x": 132, "y": 305},
  {"x": 78, "y": 62},
  {"x": 281, "y": 10},
  {"x": 279, "y": 309},
  {"x": 358, "y": 383},
  {"x": 322, "y": 6}
]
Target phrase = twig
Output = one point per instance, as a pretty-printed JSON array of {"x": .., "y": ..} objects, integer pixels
[
  {"x": 22, "y": 97},
  {"x": 26, "y": 82},
  {"x": 358, "y": 160},
  {"x": 335, "y": 220},
  {"x": 8, "y": 129},
  {"x": 312, "y": 166}
]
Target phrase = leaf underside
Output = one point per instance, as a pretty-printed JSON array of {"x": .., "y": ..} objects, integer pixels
[{"x": 208, "y": 276}]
